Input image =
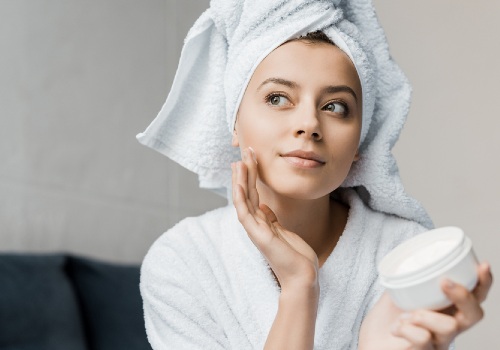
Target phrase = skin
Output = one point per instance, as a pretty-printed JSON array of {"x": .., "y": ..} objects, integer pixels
[{"x": 285, "y": 206}]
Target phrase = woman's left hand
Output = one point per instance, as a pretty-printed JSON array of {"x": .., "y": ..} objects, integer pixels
[{"x": 387, "y": 327}]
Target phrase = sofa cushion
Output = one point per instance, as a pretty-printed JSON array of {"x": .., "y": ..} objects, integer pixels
[
  {"x": 38, "y": 307},
  {"x": 111, "y": 303}
]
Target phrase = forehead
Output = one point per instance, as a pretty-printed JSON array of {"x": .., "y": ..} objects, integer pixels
[{"x": 316, "y": 63}]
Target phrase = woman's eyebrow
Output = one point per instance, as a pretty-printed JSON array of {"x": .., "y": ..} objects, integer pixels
[
  {"x": 340, "y": 88},
  {"x": 280, "y": 81}
]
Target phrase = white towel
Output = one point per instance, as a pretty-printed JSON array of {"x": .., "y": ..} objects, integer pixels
[
  {"x": 206, "y": 286},
  {"x": 222, "y": 50}
]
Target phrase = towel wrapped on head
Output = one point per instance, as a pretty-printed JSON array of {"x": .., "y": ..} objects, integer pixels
[{"x": 220, "y": 54}]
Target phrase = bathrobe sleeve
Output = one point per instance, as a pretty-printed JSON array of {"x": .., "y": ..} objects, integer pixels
[{"x": 176, "y": 312}]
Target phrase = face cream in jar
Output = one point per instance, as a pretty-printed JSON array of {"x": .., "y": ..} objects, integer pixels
[{"x": 412, "y": 272}]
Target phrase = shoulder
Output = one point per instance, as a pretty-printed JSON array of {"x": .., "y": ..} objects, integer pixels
[
  {"x": 192, "y": 232},
  {"x": 188, "y": 246}
]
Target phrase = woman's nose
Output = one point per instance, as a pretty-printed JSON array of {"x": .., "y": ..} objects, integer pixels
[{"x": 308, "y": 125}]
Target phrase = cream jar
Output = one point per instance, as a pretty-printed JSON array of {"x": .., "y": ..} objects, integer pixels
[{"x": 412, "y": 272}]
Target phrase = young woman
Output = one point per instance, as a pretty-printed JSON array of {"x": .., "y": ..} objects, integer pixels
[{"x": 290, "y": 264}]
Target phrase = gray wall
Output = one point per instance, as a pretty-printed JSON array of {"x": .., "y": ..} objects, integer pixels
[{"x": 79, "y": 79}]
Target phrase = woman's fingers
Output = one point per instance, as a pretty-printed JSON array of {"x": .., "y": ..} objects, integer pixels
[
  {"x": 443, "y": 327},
  {"x": 244, "y": 173},
  {"x": 233, "y": 180},
  {"x": 242, "y": 177},
  {"x": 469, "y": 311},
  {"x": 242, "y": 180},
  {"x": 269, "y": 213},
  {"x": 288, "y": 255},
  {"x": 254, "y": 221},
  {"x": 485, "y": 280},
  {"x": 419, "y": 337},
  {"x": 251, "y": 163},
  {"x": 246, "y": 176},
  {"x": 241, "y": 205},
  {"x": 424, "y": 328},
  {"x": 266, "y": 214},
  {"x": 240, "y": 200},
  {"x": 258, "y": 233}
]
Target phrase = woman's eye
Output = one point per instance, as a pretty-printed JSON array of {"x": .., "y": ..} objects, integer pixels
[
  {"x": 336, "y": 107},
  {"x": 277, "y": 100}
]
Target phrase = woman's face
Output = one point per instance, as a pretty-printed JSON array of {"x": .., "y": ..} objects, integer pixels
[{"x": 301, "y": 113}]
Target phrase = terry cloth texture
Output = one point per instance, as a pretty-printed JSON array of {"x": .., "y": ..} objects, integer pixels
[
  {"x": 206, "y": 286},
  {"x": 220, "y": 54}
]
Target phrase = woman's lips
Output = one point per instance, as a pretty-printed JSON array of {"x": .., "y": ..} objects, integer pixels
[{"x": 304, "y": 159}]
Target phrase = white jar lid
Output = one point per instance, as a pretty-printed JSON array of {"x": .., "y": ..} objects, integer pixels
[{"x": 423, "y": 256}]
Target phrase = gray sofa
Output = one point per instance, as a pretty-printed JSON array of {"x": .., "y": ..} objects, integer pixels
[{"x": 67, "y": 302}]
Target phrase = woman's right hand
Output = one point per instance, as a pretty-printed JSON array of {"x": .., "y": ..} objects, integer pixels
[{"x": 292, "y": 260}]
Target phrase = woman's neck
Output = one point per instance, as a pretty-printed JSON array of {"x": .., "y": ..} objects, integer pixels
[{"x": 319, "y": 222}]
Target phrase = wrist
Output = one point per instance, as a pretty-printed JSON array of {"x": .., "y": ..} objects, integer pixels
[
  {"x": 307, "y": 283},
  {"x": 299, "y": 293}
]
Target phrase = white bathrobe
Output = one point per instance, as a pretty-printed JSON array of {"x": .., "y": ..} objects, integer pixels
[{"x": 206, "y": 286}]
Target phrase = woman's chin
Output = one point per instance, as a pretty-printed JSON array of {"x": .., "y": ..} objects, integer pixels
[{"x": 298, "y": 191}]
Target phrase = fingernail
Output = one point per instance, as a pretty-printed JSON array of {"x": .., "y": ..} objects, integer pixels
[{"x": 254, "y": 157}]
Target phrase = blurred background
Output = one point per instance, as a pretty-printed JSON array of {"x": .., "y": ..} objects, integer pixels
[{"x": 80, "y": 79}]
